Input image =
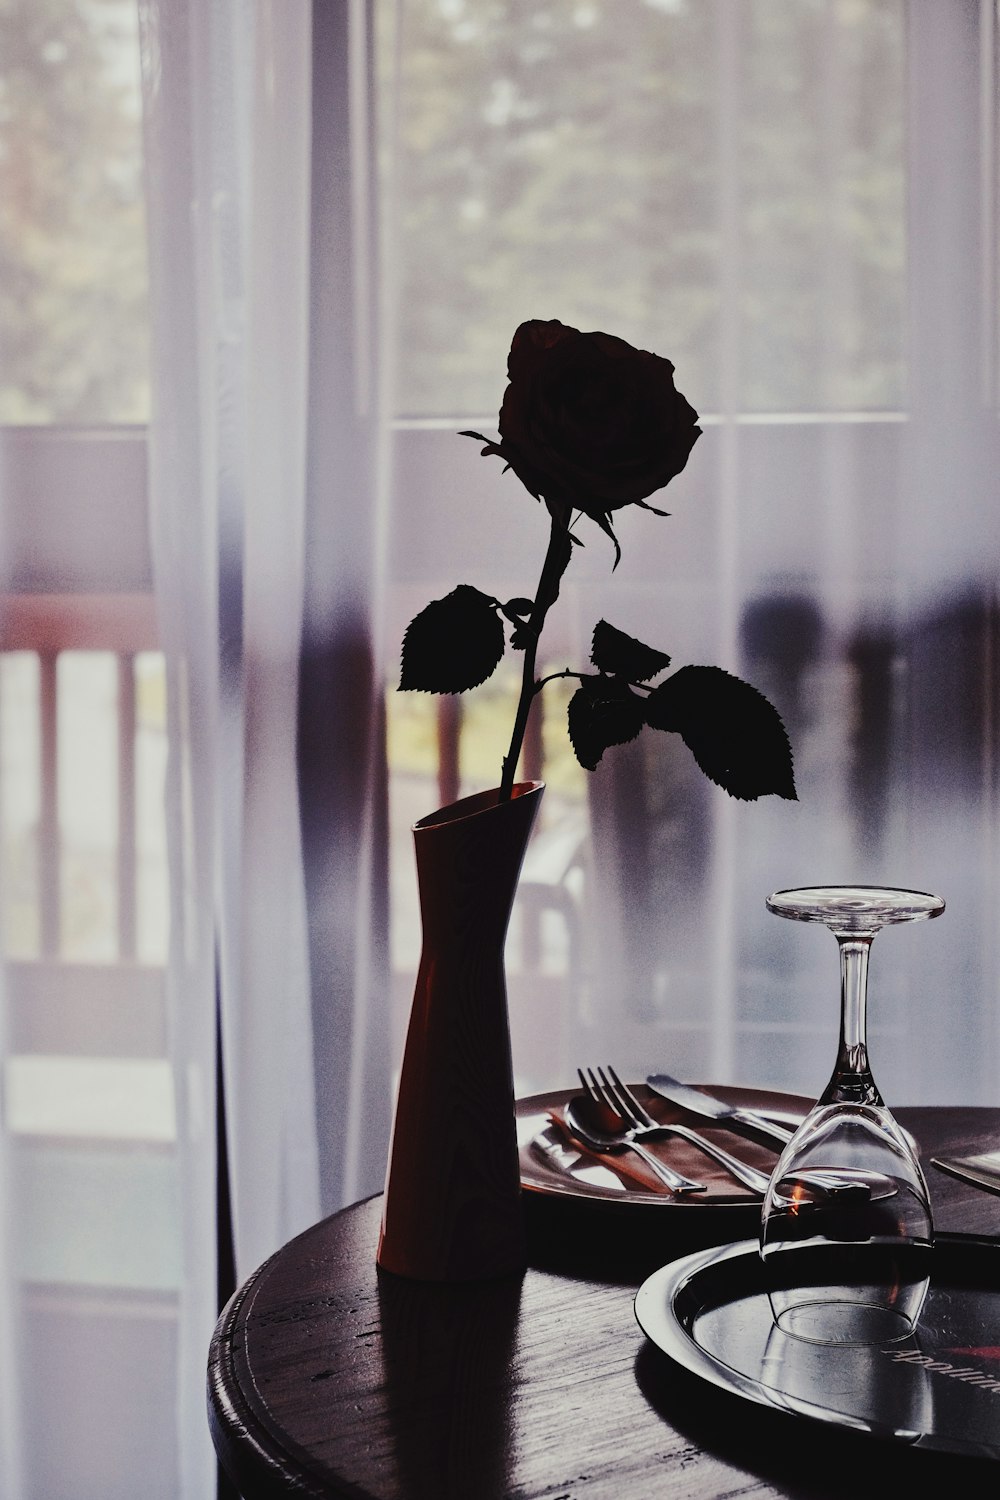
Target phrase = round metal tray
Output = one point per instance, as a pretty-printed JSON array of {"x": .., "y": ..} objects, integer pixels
[{"x": 939, "y": 1389}]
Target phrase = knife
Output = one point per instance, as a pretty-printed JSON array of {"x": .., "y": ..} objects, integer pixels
[
  {"x": 699, "y": 1103},
  {"x": 982, "y": 1171}
]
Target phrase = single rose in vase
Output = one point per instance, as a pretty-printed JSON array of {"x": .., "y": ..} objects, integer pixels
[{"x": 588, "y": 424}]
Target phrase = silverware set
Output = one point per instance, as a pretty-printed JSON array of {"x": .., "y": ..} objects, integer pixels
[{"x": 608, "y": 1119}]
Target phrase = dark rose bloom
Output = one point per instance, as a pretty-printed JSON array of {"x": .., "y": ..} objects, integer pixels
[{"x": 590, "y": 423}]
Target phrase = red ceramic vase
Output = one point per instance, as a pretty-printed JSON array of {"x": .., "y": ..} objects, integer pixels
[{"x": 452, "y": 1206}]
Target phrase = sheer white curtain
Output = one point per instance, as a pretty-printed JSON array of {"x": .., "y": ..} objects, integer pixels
[{"x": 264, "y": 507}]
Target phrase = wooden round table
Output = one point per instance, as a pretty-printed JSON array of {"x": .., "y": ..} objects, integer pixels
[{"x": 328, "y": 1377}]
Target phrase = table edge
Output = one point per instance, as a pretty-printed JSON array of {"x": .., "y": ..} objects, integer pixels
[{"x": 259, "y": 1468}]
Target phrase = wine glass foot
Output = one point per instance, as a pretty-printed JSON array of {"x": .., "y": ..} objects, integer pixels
[{"x": 844, "y": 1323}]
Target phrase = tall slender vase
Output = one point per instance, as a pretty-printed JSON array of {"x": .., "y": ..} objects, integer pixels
[{"x": 452, "y": 1206}]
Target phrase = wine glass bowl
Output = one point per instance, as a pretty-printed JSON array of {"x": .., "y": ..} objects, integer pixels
[{"x": 849, "y": 1268}]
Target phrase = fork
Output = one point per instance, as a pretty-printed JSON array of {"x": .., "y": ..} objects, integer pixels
[{"x": 607, "y": 1089}]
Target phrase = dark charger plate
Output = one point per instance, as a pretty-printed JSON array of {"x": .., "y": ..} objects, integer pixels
[{"x": 939, "y": 1388}]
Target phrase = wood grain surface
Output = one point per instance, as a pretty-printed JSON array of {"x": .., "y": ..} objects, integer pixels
[{"x": 330, "y": 1377}]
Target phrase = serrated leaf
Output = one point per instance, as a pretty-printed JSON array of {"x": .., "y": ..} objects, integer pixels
[
  {"x": 452, "y": 645},
  {"x": 614, "y": 651},
  {"x": 734, "y": 733},
  {"x": 597, "y": 720}
]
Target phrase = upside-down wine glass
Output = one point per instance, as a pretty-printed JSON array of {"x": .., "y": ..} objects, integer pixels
[{"x": 850, "y": 1266}]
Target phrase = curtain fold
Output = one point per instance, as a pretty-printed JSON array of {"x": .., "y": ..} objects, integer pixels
[
  {"x": 341, "y": 737},
  {"x": 181, "y": 534}
]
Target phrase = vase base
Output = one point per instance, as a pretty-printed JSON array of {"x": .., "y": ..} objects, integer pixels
[{"x": 420, "y": 1252}]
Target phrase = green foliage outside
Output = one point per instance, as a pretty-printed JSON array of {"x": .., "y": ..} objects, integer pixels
[
  {"x": 587, "y": 160},
  {"x": 73, "y": 280},
  {"x": 579, "y": 159}
]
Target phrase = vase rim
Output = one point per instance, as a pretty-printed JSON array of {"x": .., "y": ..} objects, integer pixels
[{"x": 476, "y": 804}]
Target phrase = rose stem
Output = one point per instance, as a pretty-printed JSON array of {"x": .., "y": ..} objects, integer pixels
[{"x": 556, "y": 561}]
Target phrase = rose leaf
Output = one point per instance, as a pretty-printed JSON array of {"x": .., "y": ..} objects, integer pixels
[
  {"x": 614, "y": 651},
  {"x": 452, "y": 645},
  {"x": 733, "y": 732},
  {"x": 601, "y": 715}
]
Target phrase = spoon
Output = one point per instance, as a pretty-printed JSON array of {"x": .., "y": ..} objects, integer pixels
[{"x": 582, "y": 1124}]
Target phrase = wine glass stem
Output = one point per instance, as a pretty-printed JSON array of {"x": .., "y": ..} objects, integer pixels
[{"x": 852, "y": 1082}]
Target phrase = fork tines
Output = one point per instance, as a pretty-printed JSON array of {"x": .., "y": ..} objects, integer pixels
[
  {"x": 636, "y": 1111},
  {"x": 607, "y": 1089}
]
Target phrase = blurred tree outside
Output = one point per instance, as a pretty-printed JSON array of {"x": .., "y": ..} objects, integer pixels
[
  {"x": 552, "y": 158},
  {"x": 73, "y": 277},
  {"x": 563, "y": 159}
]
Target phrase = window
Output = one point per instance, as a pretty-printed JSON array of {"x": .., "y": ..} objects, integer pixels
[
  {"x": 756, "y": 192},
  {"x": 725, "y": 187},
  {"x": 87, "y": 1086}
]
